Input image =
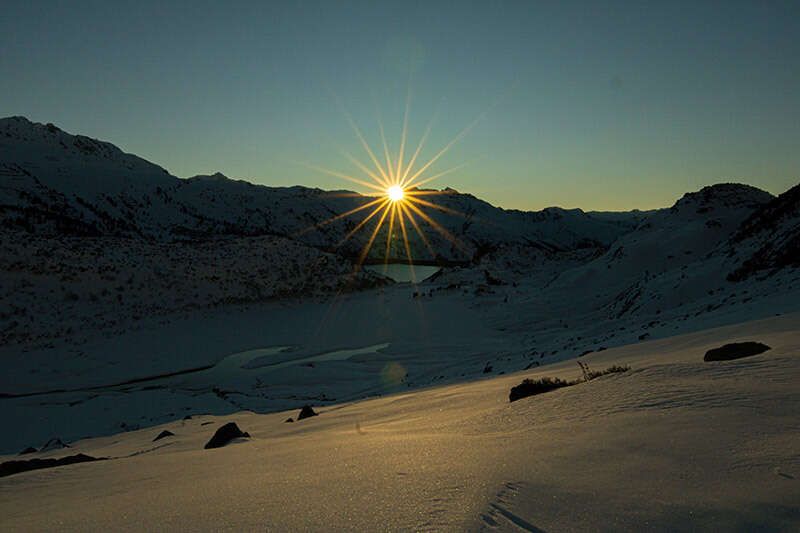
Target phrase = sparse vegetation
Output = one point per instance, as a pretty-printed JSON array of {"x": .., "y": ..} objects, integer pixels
[
  {"x": 532, "y": 387},
  {"x": 589, "y": 374}
]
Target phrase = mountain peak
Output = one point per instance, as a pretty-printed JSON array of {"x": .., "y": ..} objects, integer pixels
[
  {"x": 723, "y": 195},
  {"x": 216, "y": 176}
]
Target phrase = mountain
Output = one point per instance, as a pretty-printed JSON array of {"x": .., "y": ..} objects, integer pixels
[
  {"x": 115, "y": 233},
  {"x": 691, "y": 229},
  {"x": 56, "y": 183},
  {"x": 770, "y": 238}
]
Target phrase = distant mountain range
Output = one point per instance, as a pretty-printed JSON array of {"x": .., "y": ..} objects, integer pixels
[{"x": 57, "y": 183}]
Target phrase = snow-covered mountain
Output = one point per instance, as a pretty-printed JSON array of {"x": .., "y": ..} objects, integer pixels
[
  {"x": 56, "y": 183},
  {"x": 769, "y": 239},
  {"x": 108, "y": 235}
]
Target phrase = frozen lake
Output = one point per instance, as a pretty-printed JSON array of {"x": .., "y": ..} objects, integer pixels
[{"x": 404, "y": 273}]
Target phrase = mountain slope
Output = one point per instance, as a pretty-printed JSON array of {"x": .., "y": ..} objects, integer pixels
[{"x": 769, "y": 239}]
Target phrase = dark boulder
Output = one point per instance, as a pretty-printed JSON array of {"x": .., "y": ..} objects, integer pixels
[
  {"x": 306, "y": 412},
  {"x": 15, "y": 467},
  {"x": 29, "y": 449},
  {"x": 488, "y": 368},
  {"x": 225, "y": 434},
  {"x": 290, "y": 419},
  {"x": 165, "y": 433},
  {"x": 735, "y": 350}
]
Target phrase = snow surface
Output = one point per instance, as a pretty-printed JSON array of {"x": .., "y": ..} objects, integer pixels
[{"x": 674, "y": 444}]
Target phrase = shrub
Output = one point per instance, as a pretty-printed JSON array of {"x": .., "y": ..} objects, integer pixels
[
  {"x": 589, "y": 374},
  {"x": 531, "y": 387}
]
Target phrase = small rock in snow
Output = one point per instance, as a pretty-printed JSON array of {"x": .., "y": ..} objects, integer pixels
[
  {"x": 225, "y": 434},
  {"x": 306, "y": 412},
  {"x": 165, "y": 433}
]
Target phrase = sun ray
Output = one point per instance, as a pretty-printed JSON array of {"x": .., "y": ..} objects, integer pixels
[
  {"x": 361, "y": 166},
  {"x": 337, "y": 217},
  {"x": 418, "y": 230},
  {"x": 435, "y": 176},
  {"x": 389, "y": 235},
  {"x": 397, "y": 181},
  {"x": 366, "y": 146},
  {"x": 447, "y": 147},
  {"x": 368, "y": 246},
  {"x": 455, "y": 140},
  {"x": 407, "y": 245},
  {"x": 389, "y": 166},
  {"x": 438, "y": 227},
  {"x": 343, "y": 176},
  {"x": 401, "y": 152},
  {"x": 417, "y": 151},
  {"x": 363, "y": 222},
  {"x": 437, "y": 206}
]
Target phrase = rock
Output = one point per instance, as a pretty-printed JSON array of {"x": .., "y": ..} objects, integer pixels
[
  {"x": 306, "y": 412},
  {"x": 53, "y": 444},
  {"x": 487, "y": 368},
  {"x": 225, "y": 434},
  {"x": 28, "y": 450},
  {"x": 15, "y": 467},
  {"x": 290, "y": 419},
  {"x": 735, "y": 350},
  {"x": 187, "y": 417},
  {"x": 165, "y": 433}
]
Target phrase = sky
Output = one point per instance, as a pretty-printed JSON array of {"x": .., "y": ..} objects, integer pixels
[{"x": 597, "y": 105}]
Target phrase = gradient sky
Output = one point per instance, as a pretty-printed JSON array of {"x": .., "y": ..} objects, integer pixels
[{"x": 585, "y": 104}]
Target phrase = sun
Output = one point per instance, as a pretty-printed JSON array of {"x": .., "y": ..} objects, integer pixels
[
  {"x": 396, "y": 200},
  {"x": 395, "y": 193}
]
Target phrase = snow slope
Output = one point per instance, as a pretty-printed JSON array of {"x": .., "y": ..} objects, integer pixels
[{"x": 674, "y": 444}]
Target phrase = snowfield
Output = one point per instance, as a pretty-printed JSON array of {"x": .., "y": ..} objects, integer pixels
[{"x": 674, "y": 444}]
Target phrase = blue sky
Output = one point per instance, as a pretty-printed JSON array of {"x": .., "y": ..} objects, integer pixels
[{"x": 583, "y": 104}]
